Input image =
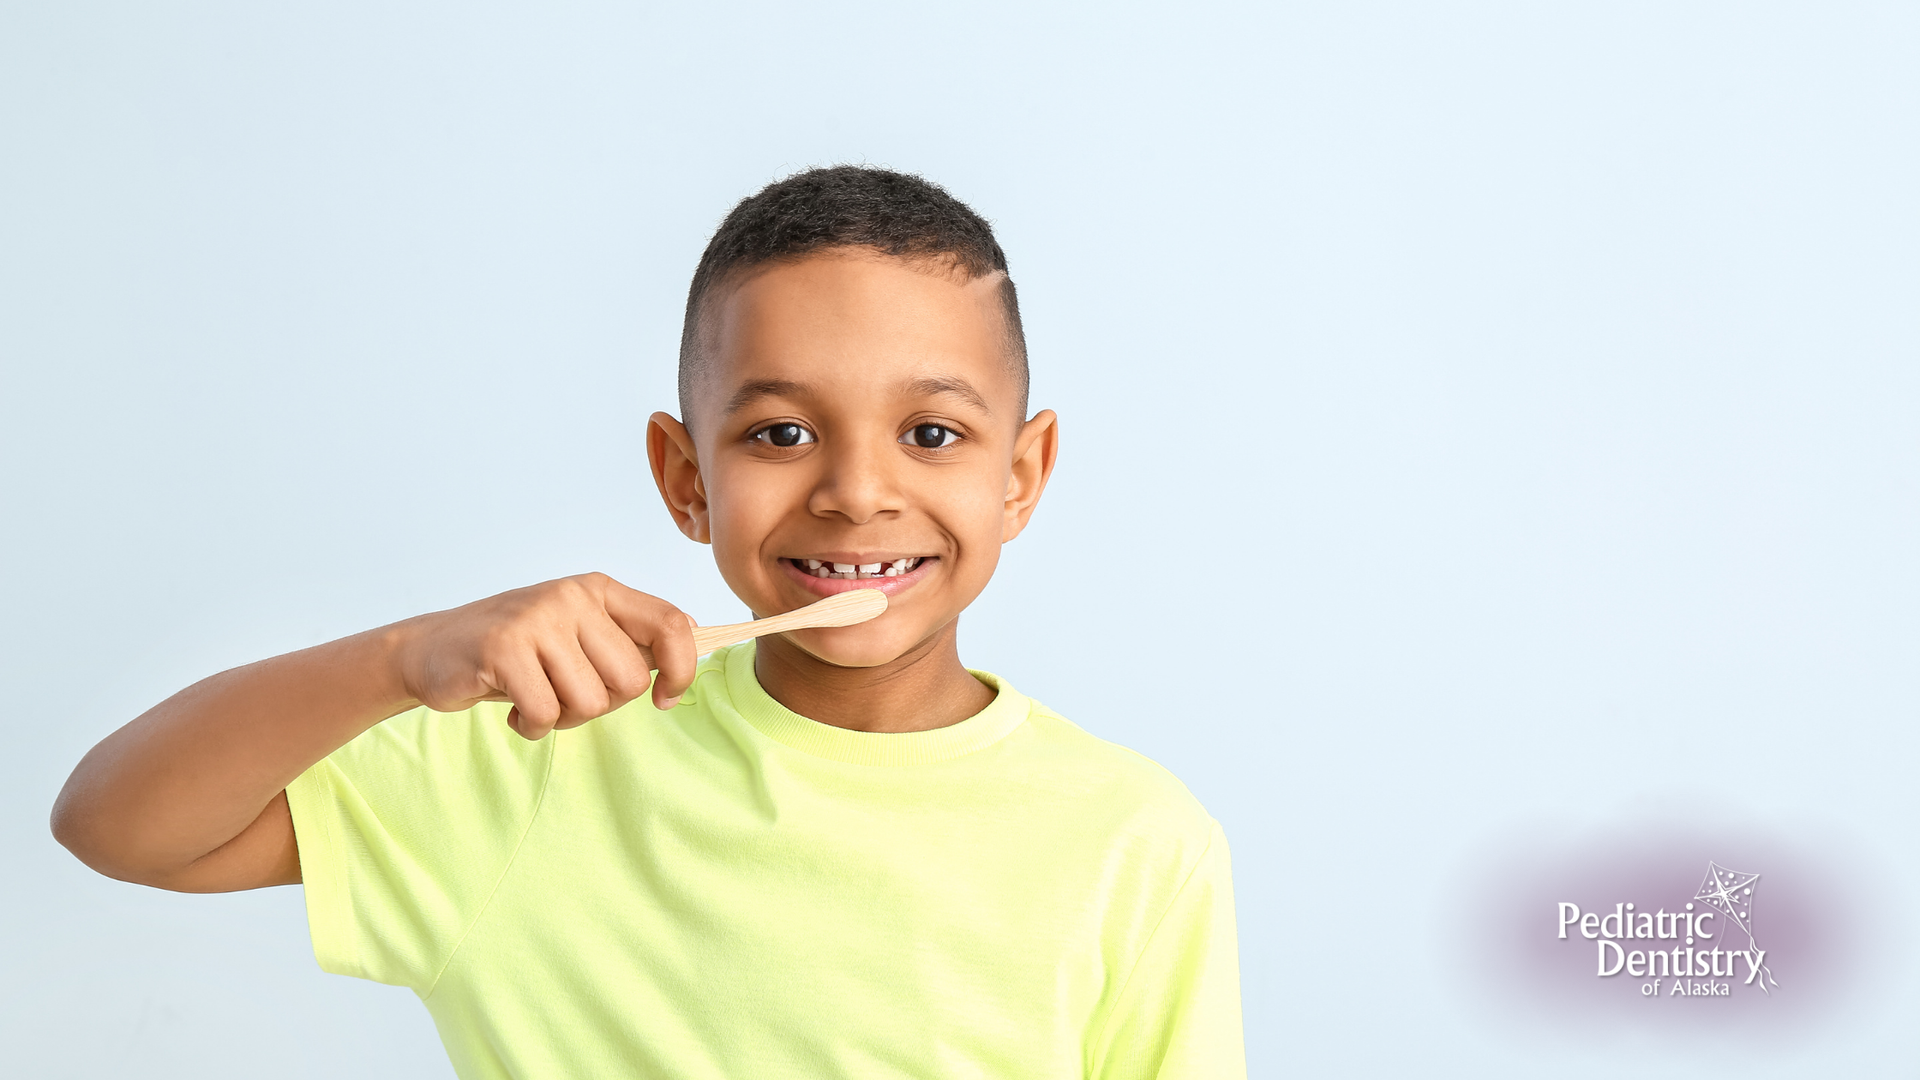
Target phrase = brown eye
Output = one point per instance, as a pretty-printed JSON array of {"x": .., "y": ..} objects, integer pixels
[
  {"x": 931, "y": 436},
  {"x": 784, "y": 435}
]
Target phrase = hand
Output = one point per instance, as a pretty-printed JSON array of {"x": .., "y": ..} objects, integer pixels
[{"x": 563, "y": 652}]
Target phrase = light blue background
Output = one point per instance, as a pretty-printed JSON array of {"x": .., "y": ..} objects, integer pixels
[{"x": 1477, "y": 417}]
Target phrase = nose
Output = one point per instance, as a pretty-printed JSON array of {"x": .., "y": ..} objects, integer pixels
[{"x": 860, "y": 482}]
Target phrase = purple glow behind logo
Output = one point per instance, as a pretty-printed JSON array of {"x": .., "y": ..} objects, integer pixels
[{"x": 1652, "y": 928}]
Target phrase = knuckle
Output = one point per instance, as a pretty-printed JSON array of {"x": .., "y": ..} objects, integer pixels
[
  {"x": 673, "y": 625},
  {"x": 531, "y": 597}
]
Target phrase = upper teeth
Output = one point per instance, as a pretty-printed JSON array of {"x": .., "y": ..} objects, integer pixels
[{"x": 859, "y": 570}]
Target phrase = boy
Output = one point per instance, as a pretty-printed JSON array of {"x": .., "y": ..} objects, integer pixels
[{"x": 835, "y": 852}]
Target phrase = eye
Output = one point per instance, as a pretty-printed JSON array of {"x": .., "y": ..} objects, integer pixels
[
  {"x": 931, "y": 436},
  {"x": 783, "y": 435}
]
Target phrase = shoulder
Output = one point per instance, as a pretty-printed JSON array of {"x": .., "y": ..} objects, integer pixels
[
  {"x": 1134, "y": 793},
  {"x": 469, "y": 758}
]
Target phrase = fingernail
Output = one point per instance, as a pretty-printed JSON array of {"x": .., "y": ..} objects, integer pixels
[{"x": 668, "y": 704}]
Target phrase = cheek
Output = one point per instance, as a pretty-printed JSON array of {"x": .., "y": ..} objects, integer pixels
[
  {"x": 976, "y": 513},
  {"x": 740, "y": 524}
]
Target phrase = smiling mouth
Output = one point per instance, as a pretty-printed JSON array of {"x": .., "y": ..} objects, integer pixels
[{"x": 856, "y": 571}]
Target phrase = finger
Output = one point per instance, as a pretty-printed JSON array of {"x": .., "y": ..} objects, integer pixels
[
  {"x": 664, "y": 631},
  {"x": 674, "y": 658},
  {"x": 623, "y": 668},
  {"x": 582, "y": 695},
  {"x": 535, "y": 706},
  {"x": 635, "y": 612}
]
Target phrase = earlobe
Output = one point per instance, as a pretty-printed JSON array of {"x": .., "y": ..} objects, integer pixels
[
  {"x": 1034, "y": 451},
  {"x": 676, "y": 472}
]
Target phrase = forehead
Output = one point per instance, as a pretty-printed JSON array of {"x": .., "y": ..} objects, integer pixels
[{"x": 841, "y": 321}]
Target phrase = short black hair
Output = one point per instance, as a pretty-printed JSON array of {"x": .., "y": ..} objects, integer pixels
[{"x": 895, "y": 213}]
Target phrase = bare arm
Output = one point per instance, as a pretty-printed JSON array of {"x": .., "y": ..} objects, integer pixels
[{"x": 191, "y": 796}]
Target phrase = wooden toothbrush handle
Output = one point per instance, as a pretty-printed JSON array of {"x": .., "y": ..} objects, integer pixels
[
  {"x": 708, "y": 638},
  {"x": 843, "y": 609}
]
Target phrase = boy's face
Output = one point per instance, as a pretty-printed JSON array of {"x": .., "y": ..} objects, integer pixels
[{"x": 858, "y": 415}]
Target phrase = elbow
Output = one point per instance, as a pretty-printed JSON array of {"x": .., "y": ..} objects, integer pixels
[
  {"x": 121, "y": 842},
  {"x": 68, "y": 822},
  {"x": 77, "y": 815},
  {"x": 74, "y": 829},
  {"x": 101, "y": 856},
  {"x": 79, "y": 827}
]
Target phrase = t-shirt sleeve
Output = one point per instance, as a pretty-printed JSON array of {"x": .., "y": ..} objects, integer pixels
[
  {"x": 404, "y": 834},
  {"x": 1178, "y": 1016}
]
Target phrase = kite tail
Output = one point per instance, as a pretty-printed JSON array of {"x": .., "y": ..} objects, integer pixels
[{"x": 1766, "y": 970}]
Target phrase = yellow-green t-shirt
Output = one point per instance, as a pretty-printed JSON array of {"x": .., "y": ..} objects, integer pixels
[{"x": 732, "y": 890}]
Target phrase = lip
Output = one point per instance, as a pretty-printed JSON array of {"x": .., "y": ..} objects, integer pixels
[{"x": 891, "y": 586}]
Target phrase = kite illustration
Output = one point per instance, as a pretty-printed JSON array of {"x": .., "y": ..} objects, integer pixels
[{"x": 1730, "y": 892}]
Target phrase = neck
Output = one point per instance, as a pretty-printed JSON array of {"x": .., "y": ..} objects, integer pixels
[{"x": 927, "y": 687}]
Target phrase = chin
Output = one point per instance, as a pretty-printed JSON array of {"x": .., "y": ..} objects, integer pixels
[{"x": 856, "y": 646}]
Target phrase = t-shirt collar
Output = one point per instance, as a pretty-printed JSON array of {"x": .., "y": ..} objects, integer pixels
[{"x": 777, "y": 722}]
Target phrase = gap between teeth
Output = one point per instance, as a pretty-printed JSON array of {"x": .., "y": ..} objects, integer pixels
[{"x": 851, "y": 571}]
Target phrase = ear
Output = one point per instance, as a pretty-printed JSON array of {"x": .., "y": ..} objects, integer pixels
[
  {"x": 1034, "y": 452},
  {"x": 676, "y": 471}
]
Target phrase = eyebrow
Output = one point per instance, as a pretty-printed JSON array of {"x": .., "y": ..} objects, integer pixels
[
  {"x": 925, "y": 386},
  {"x": 952, "y": 386},
  {"x": 755, "y": 389}
]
